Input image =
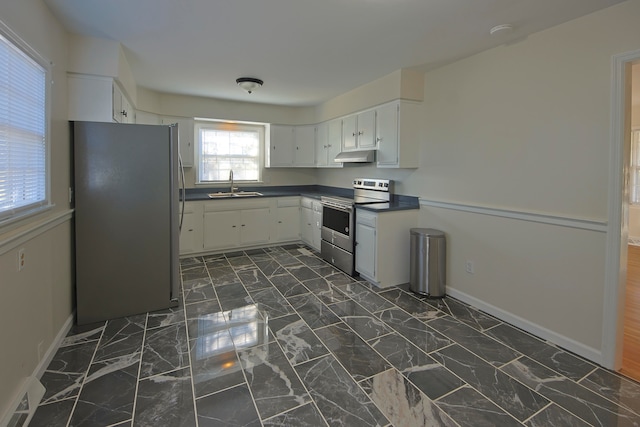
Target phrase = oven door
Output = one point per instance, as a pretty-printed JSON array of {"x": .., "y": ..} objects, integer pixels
[{"x": 337, "y": 226}]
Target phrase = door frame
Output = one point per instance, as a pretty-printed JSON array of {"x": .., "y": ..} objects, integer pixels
[{"x": 618, "y": 222}]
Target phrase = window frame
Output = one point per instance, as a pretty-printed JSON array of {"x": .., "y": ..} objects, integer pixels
[
  {"x": 12, "y": 216},
  {"x": 201, "y": 123}
]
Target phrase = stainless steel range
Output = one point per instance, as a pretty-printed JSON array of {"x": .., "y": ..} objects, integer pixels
[{"x": 338, "y": 220}]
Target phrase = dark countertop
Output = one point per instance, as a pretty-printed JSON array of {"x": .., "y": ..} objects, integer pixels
[{"x": 399, "y": 202}]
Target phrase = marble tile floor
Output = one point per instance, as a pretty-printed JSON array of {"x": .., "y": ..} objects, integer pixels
[{"x": 277, "y": 337}]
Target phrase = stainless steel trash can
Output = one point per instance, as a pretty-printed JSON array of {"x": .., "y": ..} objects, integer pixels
[{"x": 428, "y": 262}]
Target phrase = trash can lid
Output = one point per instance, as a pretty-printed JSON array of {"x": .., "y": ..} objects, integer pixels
[{"x": 432, "y": 232}]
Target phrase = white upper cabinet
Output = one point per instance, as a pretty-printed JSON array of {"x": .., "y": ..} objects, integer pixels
[
  {"x": 121, "y": 108},
  {"x": 281, "y": 146},
  {"x": 305, "y": 144},
  {"x": 97, "y": 99},
  {"x": 328, "y": 143},
  {"x": 397, "y": 135},
  {"x": 292, "y": 146},
  {"x": 358, "y": 131},
  {"x": 186, "y": 138}
]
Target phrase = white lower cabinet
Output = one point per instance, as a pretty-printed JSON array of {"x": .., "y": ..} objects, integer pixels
[
  {"x": 219, "y": 225},
  {"x": 310, "y": 222},
  {"x": 287, "y": 226},
  {"x": 221, "y": 230},
  {"x": 191, "y": 230},
  {"x": 383, "y": 245},
  {"x": 235, "y": 227},
  {"x": 254, "y": 226}
]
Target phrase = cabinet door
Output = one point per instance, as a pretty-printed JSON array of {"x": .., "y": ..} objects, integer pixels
[
  {"x": 305, "y": 153},
  {"x": 221, "y": 230},
  {"x": 322, "y": 144},
  {"x": 187, "y": 234},
  {"x": 387, "y": 134},
  {"x": 366, "y": 130},
  {"x": 366, "y": 250},
  {"x": 281, "y": 147},
  {"x": 349, "y": 132},
  {"x": 116, "y": 104},
  {"x": 288, "y": 223},
  {"x": 254, "y": 226},
  {"x": 334, "y": 143},
  {"x": 306, "y": 226},
  {"x": 317, "y": 229}
]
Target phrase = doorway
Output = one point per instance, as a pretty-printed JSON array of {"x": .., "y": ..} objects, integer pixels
[{"x": 617, "y": 247}]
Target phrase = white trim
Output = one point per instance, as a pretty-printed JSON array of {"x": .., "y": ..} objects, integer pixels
[
  {"x": 32, "y": 388},
  {"x": 53, "y": 348},
  {"x": 587, "y": 352},
  {"x": 35, "y": 230},
  {"x": 615, "y": 260},
  {"x": 563, "y": 221}
]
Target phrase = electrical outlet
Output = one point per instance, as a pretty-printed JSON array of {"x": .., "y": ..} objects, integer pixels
[
  {"x": 468, "y": 266},
  {"x": 22, "y": 259}
]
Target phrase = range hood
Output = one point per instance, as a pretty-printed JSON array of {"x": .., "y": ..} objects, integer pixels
[{"x": 363, "y": 156}]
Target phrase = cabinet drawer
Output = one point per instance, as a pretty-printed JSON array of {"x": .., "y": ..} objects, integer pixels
[
  {"x": 288, "y": 202},
  {"x": 337, "y": 256},
  {"x": 306, "y": 202}
]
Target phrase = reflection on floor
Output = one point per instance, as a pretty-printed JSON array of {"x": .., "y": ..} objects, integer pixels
[{"x": 277, "y": 337}]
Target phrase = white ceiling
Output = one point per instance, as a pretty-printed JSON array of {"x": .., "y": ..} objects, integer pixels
[{"x": 306, "y": 51}]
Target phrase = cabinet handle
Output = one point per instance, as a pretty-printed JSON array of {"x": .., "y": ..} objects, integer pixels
[
  {"x": 378, "y": 139},
  {"x": 243, "y": 225},
  {"x": 353, "y": 134},
  {"x": 124, "y": 113},
  {"x": 360, "y": 133},
  {"x": 233, "y": 226},
  {"x": 329, "y": 145},
  {"x": 191, "y": 229},
  {"x": 279, "y": 222}
]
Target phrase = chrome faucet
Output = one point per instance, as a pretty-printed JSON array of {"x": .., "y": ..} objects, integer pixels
[{"x": 233, "y": 189}]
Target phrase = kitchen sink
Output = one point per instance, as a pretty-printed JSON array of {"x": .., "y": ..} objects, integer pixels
[{"x": 235, "y": 194}]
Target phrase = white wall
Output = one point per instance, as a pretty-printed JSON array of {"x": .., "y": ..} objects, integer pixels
[
  {"x": 525, "y": 128},
  {"x": 37, "y": 301}
]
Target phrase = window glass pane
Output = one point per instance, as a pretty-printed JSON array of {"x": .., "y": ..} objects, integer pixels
[
  {"x": 23, "y": 149},
  {"x": 223, "y": 150}
]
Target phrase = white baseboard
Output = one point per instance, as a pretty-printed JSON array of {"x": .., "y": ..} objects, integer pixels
[
  {"x": 580, "y": 349},
  {"x": 28, "y": 398},
  {"x": 53, "y": 348}
]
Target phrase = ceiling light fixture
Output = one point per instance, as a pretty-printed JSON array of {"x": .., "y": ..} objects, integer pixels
[
  {"x": 249, "y": 83},
  {"x": 503, "y": 28}
]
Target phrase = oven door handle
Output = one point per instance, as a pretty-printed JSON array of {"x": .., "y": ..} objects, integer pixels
[{"x": 337, "y": 206}]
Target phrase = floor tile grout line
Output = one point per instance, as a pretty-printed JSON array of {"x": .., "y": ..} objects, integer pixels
[
  {"x": 135, "y": 395},
  {"x": 86, "y": 375},
  {"x": 285, "y": 354},
  {"x": 235, "y": 349},
  {"x": 541, "y": 410},
  {"x": 549, "y": 399},
  {"x": 482, "y": 331},
  {"x": 453, "y": 342},
  {"x": 186, "y": 325}
]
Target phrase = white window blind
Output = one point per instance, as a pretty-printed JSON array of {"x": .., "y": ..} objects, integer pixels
[
  {"x": 225, "y": 147},
  {"x": 23, "y": 149},
  {"x": 634, "y": 170}
]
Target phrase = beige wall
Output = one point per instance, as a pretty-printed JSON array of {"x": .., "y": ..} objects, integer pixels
[
  {"x": 525, "y": 128},
  {"x": 37, "y": 301}
]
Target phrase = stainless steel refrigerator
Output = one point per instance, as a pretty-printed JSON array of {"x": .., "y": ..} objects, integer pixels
[{"x": 126, "y": 219}]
